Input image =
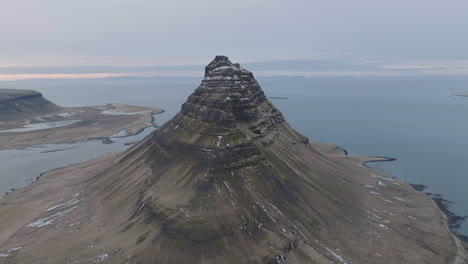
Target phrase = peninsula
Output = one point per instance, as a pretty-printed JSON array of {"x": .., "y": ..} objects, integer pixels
[{"x": 27, "y": 118}]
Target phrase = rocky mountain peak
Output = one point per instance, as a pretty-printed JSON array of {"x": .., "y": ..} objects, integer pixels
[
  {"x": 228, "y": 95},
  {"x": 224, "y": 120},
  {"x": 223, "y": 69}
]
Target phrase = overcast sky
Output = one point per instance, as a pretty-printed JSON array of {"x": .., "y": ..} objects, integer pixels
[{"x": 404, "y": 33}]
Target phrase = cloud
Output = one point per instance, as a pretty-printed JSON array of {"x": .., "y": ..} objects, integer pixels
[
  {"x": 343, "y": 66},
  {"x": 149, "y": 32}
]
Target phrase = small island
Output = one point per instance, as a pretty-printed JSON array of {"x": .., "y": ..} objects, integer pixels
[{"x": 277, "y": 97}]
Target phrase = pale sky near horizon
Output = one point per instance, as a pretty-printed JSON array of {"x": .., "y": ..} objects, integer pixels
[{"x": 147, "y": 32}]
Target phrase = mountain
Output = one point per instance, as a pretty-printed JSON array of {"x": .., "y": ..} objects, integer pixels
[
  {"x": 227, "y": 180},
  {"x": 22, "y": 104}
]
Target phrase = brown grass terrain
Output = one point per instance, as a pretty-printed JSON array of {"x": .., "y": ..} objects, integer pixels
[{"x": 415, "y": 232}]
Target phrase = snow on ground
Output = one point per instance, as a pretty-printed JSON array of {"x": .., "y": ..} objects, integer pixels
[
  {"x": 67, "y": 114},
  {"x": 121, "y": 133},
  {"x": 336, "y": 256},
  {"x": 40, "y": 126},
  {"x": 381, "y": 222},
  {"x": 8, "y": 252},
  {"x": 100, "y": 258},
  {"x": 65, "y": 204},
  {"x": 265, "y": 210},
  {"x": 399, "y": 199},
  {"x": 381, "y": 183},
  {"x": 119, "y": 112},
  {"x": 227, "y": 186},
  {"x": 66, "y": 208},
  {"x": 97, "y": 259},
  {"x": 51, "y": 219},
  {"x": 384, "y": 226}
]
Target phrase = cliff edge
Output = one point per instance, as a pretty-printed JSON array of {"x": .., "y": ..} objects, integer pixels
[{"x": 18, "y": 104}]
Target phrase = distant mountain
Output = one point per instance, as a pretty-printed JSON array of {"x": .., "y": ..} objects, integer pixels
[{"x": 22, "y": 104}]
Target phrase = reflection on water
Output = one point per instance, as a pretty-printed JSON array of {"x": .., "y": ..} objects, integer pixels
[{"x": 40, "y": 126}]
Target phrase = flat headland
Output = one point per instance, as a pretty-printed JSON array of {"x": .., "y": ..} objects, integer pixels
[{"x": 70, "y": 124}]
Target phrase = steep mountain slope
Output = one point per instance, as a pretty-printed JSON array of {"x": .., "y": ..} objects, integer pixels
[
  {"x": 227, "y": 180},
  {"x": 22, "y": 104}
]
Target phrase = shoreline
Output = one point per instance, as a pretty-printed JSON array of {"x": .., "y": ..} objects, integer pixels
[
  {"x": 454, "y": 221},
  {"x": 95, "y": 122},
  {"x": 139, "y": 131}
]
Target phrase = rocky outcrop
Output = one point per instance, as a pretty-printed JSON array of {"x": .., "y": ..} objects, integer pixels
[
  {"x": 23, "y": 104},
  {"x": 229, "y": 114}
]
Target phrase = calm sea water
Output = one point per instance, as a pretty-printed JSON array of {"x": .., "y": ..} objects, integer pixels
[{"x": 415, "y": 120}]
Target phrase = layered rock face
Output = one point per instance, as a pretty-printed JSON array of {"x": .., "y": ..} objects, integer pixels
[
  {"x": 22, "y": 104},
  {"x": 228, "y": 94},
  {"x": 227, "y": 180},
  {"x": 225, "y": 118}
]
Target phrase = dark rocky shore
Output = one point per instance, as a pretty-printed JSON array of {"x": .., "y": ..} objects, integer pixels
[
  {"x": 381, "y": 158},
  {"x": 454, "y": 221}
]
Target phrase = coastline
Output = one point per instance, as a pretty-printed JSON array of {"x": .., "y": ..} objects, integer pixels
[
  {"x": 103, "y": 138},
  {"x": 120, "y": 120},
  {"x": 139, "y": 131},
  {"x": 37, "y": 178},
  {"x": 454, "y": 221}
]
